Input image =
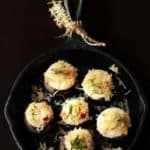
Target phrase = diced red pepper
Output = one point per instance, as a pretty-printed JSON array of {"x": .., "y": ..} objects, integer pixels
[
  {"x": 45, "y": 119},
  {"x": 83, "y": 115}
]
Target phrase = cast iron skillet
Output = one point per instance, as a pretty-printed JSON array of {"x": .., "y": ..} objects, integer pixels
[{"x": 84, "y": 57}]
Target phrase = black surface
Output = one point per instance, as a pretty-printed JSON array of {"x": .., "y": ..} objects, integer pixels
[{"x": 27, "y": 30}]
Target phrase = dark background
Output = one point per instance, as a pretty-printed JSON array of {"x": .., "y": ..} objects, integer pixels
[{"x": 26, "y": 30}]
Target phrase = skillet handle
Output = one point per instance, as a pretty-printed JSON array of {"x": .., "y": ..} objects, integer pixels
[
  {"x": 78, "y": 14},
  {"x": 80, "y": 9}
]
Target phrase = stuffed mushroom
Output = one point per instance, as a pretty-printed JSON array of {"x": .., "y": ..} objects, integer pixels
[
  {"x": 113, "y": 123},
  {"x": 98, "y": 85},
  {"x": 38, "y": 116},
  {"x": 60, "y": 76},
  {"x": 75, "y": 111},
  {"x": 78, "y": 139}
]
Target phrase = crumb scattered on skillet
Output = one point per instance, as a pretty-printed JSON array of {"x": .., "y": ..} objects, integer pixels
[
  {"x": 114, "y": 68},
  {"x": 42, "y": 146},
  {"x": 38, "y": 93}
]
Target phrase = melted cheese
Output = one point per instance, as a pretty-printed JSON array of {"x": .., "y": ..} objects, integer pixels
[
  {"x": 39, "y": 114},
  {"x": 75, "y": 111},
  {"x": 60, "y": 75},
  {"x": 98, "y": 84},
  {"x": 113, "y": 122},
  {"x": 84, "y": 137}
]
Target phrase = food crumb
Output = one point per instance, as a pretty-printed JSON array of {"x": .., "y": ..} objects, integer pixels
[
  {"x": 110, "y": 148},
  {"x": 38, "y": 93},
  {"x": 42, "y": 146},
  {"x": 114, "y": 68},
  {"x": 121, "y": 83}
]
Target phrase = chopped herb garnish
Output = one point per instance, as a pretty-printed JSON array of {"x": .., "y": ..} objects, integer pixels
[
  {"x": 34, "y": 111},
  {"x": 78, "y": 144},
  {"x": 94, "y": 91},
  {"x": 118, "y": 119},
  {"x": 113, "y": 128},
  {"x": 92, "y": 80},
  {"x": 57, "y": 71},
  {"x": 70, "y": 110},
  {"x": 95, "y": 85}
]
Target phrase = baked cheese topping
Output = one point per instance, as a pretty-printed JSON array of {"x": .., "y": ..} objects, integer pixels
[
  {"x": 78, "y": 139},
  {"x": 60, "y": 75},
  {"x": 75, "y": 111},
  {"x": 98, "y": 84},
  {"x": 113, "y": 122},
  {"x": 39, "y": 114}
]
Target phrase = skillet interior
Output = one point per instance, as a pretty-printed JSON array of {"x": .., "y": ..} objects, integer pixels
[{"x": 83, "y": 58}]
